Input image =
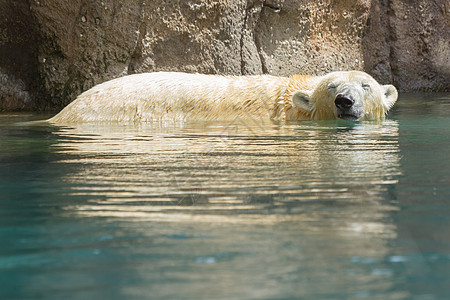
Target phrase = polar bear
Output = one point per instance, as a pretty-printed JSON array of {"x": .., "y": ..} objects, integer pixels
[{"x": 162, "y": 96}]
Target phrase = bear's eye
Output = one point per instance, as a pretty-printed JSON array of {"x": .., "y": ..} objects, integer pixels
[
  {"x": 331, "y": 86},
  {"x": 366, "y": 86}
]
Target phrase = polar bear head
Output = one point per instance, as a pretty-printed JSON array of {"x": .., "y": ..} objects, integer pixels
[{"x": 348, "y": 95}]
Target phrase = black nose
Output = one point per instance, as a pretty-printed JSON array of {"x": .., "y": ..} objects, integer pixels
[{"x": 344, "y": 101}]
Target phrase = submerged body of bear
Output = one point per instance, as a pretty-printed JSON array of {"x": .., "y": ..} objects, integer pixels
[{"x": 163, "y": 96}]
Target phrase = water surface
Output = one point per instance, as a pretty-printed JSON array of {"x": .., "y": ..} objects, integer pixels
[{"x": 228, "y": 210}]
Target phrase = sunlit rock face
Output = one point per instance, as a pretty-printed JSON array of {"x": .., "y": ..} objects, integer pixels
[{"x": 53, "y": 51}]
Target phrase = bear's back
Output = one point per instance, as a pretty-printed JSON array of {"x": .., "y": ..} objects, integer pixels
[{"x": 173, "y": 96}]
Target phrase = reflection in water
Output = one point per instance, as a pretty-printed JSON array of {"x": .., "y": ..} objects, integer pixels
[
  {"x": 237, "y": 174},
  {"x": 332, "y": 180}
]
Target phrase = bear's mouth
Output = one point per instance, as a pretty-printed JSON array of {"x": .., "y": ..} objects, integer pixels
[{"x": 350, "y": 117}]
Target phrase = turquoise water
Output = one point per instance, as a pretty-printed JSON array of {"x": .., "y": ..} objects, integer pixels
[{"x": 237, "y": 210}]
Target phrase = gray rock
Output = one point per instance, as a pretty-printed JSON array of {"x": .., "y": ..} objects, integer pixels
[{"x": 51, "y": 51}]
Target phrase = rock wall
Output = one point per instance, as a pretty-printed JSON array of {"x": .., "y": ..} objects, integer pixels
[
  {"x": 408, "y": 43},
  {"x": 18, "y": 56},
  {"x": 50, "y": 51}
]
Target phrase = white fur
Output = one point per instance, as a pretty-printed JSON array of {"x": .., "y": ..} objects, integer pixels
[
  {"x": 174, "y": 96},
  {"x": 164, "y": 96}
]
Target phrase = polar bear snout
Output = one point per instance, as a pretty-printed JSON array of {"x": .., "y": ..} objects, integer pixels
[
  {"x": 346, "y": 107},
  {"x": 344, "y": 101}
]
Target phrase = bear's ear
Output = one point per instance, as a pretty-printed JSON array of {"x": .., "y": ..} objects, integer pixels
[
  {"x": 390, "y": 95},
  {"x": 302, "y": 100}
]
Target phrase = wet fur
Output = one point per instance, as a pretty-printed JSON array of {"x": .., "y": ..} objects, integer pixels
[{"x": 163, "y": 96}]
